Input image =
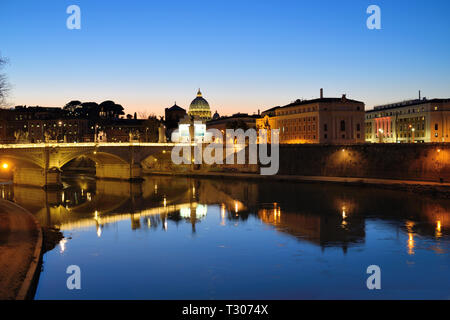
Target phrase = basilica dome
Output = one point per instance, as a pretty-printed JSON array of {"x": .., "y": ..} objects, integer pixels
[{"x": 199, "y": 108}]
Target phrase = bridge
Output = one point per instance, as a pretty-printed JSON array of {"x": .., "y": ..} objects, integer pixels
[{"x": 41, "y": 164}]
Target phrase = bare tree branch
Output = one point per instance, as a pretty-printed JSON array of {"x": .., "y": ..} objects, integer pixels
[
  {"x": 4, "y": 85},
  {"x": 143, "y": 114}
]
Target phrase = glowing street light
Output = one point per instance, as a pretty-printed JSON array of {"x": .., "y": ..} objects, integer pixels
[{"x": 5, "y": 166}]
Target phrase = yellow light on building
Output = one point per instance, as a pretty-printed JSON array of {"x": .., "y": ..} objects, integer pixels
[{"x": 5, "y": 166}]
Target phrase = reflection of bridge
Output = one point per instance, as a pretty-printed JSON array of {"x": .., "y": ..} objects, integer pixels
[
  {"x": 41, "y": 164},
  {"x": 111, "y": 201}
]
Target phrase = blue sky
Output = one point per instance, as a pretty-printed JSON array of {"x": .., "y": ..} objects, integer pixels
[{"x": 245, "y": 55}]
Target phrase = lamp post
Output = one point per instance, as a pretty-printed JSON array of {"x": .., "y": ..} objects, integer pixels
[
  {"x": 413, "y": 130},
  {"x": 380, "y": 135},
  {"x": 95, "y": 133},
  {"x": 60, "y": 131}
]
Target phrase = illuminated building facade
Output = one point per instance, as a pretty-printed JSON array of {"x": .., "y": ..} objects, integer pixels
[
  {"x": 236, "y": 121},
  {"x": 189, "y": 130},
  {"x": 419, "y": 120},
  {"x": 322, "y": 120}
]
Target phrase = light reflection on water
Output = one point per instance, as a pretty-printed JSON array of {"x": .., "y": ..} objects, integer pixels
[{"x": 178, "y": 238}]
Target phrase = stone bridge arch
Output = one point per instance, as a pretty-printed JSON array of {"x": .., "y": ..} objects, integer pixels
[{"x": 41, "y": 164}]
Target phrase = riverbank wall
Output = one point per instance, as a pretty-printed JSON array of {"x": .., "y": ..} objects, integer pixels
[
  {"x": 421, "y": 168},
  {"x": 419, "y": 162},
  {"x": 423, "y": 162}
]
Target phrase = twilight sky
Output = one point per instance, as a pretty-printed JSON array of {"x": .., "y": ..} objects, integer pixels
[{"x": 245, "y": 55}]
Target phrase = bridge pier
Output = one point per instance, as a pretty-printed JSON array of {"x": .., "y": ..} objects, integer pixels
[
  {"x": 132, "y": 172},
  {"x": 49, "y": 179}
]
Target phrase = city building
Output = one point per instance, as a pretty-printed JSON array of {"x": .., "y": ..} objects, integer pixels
[
  {"x": 199, "y": 108},
  {"x": 419, "y": 120},
  {"x": 322, "y": 120},
  {"x": 190, "y": 130},
  {"x": 38, "y": 124},
  {"x": 56, "y": 130},
  {"x": 236, "y": 121},
  {"x": 172, "y": 117}
]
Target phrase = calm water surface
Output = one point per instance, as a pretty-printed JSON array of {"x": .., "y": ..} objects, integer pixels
[{"x": 182, "y": 238}]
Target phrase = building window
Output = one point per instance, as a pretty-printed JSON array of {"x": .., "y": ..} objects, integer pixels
[
  {"x": 342, "y": 125},
  {"x": 358, "y": 127},
  {"x": 436, "y": 126},
  {"x": 325, "y": 136},
  {"x": 325, "y": 127}
]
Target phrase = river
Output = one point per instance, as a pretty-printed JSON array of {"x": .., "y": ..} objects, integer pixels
[{"x": 185, "y": 238}]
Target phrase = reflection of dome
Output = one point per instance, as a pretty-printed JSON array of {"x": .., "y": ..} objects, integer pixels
[
  {"x": 200, "y": 212},
  {"x": 199, "y": 108},
  {"x": 216, "y": 116}
]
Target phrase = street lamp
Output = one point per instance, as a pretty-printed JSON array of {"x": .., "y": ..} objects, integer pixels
[
  {"x": 380, "y": 134},
  {"x": 95, "y": 133},
  {"x": 413, "y": 130}
]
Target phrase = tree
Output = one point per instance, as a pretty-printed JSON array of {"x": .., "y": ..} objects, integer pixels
[
  {"x": 109, "y": 109},
  {"x": 143, "y": 114},
  {"x": 72, "y": 105},
  {"x": 73, "y": 108},
  {"x": 4, "y": 85},
  {"x": 151, "y": 126},
  {"x": 89, "y": 110}
]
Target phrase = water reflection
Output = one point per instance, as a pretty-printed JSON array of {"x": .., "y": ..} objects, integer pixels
[
  {"x": 240, "y": 239},
  {"x": 326, "y": 216}
]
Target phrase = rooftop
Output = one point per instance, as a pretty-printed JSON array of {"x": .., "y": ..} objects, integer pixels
[
  {"x": 300, "y": 102},
  {"x": 407, "y": 103}
]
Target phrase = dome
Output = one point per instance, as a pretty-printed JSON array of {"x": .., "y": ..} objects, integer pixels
[
  {"x": 216, "y": 116},
  {"x": 199, "y": 107}
]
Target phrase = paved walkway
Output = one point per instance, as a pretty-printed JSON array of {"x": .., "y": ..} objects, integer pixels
[{"x": 20, "y": 245}]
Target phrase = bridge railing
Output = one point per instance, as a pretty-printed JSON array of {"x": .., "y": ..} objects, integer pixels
[{"x": 91, "y": 144}]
